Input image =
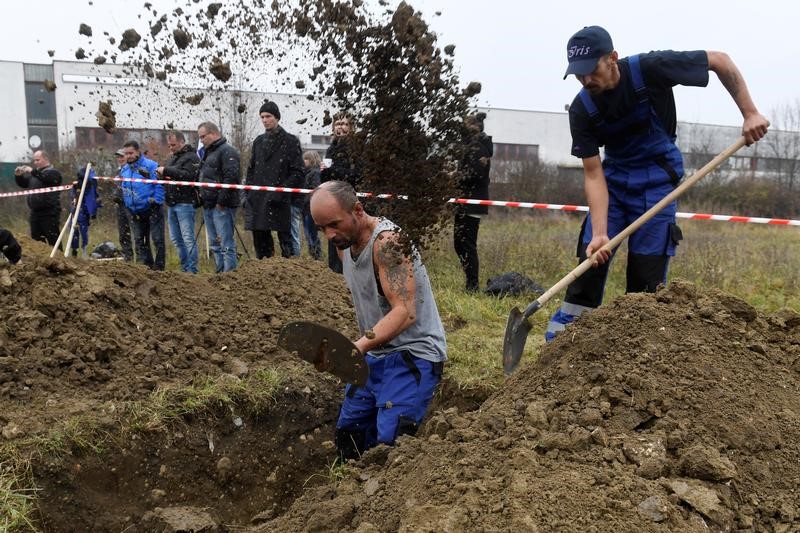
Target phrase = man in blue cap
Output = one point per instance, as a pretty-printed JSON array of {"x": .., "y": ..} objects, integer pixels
[{"x": 627, "y": 106}]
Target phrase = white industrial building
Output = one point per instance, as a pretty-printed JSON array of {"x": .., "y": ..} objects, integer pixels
[{"x": 64, "y": 118}]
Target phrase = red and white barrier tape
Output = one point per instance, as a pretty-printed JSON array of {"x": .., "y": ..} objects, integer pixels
[
  {"x": 583, "y": 208},
  {"x": 35, "y": 191},
  {"x": 495, "y": 203}
]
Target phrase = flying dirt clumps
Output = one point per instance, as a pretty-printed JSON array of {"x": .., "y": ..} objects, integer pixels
[
  {"x": 220, "y": 70},
  {"x": 195, "y": 99},
  {"x": 182, "y": 39},
  {"x": 85, "y": 29},
  {"x": 130, "y": 39},
  {"x": 80, "y": 53},
  {"x": 106, "y": 117},
  {"x": 50, "y": 85},
  {"x": 382, "y": 65}
]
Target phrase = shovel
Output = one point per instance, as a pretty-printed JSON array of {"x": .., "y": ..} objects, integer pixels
[
  {"x": 325, "y": 348},
  {"x": 518, "y": 325}
]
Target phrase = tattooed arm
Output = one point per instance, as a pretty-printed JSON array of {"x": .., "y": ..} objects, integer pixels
[
  {"x": 755, "y": 124},
  {"x": 396, "y": 274}
]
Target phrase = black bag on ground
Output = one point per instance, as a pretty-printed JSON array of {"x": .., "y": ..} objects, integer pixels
[{"x": 512, "y": 283}]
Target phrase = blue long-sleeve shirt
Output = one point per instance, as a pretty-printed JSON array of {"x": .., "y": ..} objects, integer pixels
[{"x": 137, "y": 195}]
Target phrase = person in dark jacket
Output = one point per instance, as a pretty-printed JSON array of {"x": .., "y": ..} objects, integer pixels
[
  {"x": 474, "y": 184},
  {"x": 339, "y": 165},
  {"x": 145, "y": 201},
  {"x": 275, "y": 161},
  {"x": 124, "y": 223},
  {"x": 220, "y": 164},
  {"x": 87, "y": 212},
  {"x": 311, "y": 162},
  {"x": 45, "y": 216},
  {"x": 182, "y": 200},
  {"x": 9, "y": 247}
]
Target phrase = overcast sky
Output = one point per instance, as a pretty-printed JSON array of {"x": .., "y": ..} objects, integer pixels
[{"x": 516, "y": 49}]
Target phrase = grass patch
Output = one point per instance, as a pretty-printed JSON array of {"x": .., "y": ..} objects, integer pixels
[
  {"x": 164, "y": 408},
  {"x": 333, "y": 474},
  {"x": 16, "y": 498}
]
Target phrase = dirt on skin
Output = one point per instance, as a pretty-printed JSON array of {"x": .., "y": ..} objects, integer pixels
[{"x": 676, "y": 411}]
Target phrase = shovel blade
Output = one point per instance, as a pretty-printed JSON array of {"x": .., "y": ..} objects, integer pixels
[
  {"x": 325, "y": 348},
  {"x": 517, "y": 329}
]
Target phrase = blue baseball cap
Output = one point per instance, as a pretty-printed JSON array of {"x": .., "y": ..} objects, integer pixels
[{"x": 585, "y": 48}]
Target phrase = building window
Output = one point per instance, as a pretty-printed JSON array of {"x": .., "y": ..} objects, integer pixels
[
  {"x": 40, "y": 103},
  {"x": 154, "y": 142},
  {"x": 516, "y": 152},
  {"x": 322, "y": 139}
]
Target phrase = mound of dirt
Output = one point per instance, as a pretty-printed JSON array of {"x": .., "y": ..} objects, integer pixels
[
  {"x": 669, "y": 412},
  {"x": 79, "y": 333}
]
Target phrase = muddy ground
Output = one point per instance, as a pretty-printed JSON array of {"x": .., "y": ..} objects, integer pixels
[{"x": 669, "y": 412}]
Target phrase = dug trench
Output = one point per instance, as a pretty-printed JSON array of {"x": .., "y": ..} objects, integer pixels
[{"x": 147, "y": 401}]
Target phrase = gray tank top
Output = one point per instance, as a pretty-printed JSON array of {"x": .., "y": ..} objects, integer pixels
[{"x": 425, "y": 337}]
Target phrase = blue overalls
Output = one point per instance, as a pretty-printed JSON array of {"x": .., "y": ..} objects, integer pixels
[{"x": 641, "y": 165}]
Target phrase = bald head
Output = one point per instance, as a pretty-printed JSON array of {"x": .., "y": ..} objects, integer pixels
[{"x": 337, "y": 212}]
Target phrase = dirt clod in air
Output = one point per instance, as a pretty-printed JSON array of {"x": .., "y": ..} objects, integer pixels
[
  {"x": 182, "y": 39},
  {"x": 195, "y": 99},
  {"x": 106, "y": 117},
  {"x": 472, "y": 89},
  {"x": 213, "y": 9},
  {"x": 85, "y": 29},
  {"x": 241, "y": 108},
  {"x": 51, "y": 53},
  {"x": 100, "y": 60},
  {"x": 449, "y": 49},
  {"x": 50, "y": 85},
  {"x": 80, "y": 53},
  {"x": 301, "y": 121},
  {"x": 300, "y": 84},
  {"x": 130, "y": 39},
  {"x": 220, "y": 70}
]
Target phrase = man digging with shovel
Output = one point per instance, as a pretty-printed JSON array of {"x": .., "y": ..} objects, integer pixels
[
  {"x": 402, "y": 338},
  {"x": 627, "y": 106}
]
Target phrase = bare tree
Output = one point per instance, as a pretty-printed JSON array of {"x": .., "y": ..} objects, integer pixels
[{"x": 783, "y": 145}]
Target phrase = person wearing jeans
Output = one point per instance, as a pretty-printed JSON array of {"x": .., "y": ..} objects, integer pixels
[
  {"x": 220, "y": 227},
  {"x": 181, "y": 199},
  {"x": 220, "y": 164},
  {"x": 180, "y": 219}
]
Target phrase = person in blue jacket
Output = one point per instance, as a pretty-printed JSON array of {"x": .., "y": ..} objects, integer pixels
[
  {"x": 145, "y": 201},
  {"x": 87, "y": 212},
  {"x": 627, "y": 106}
]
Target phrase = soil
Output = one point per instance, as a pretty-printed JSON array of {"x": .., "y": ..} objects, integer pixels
[
  {"x": 669, "y": 412},
  {"x": 79, "y": 333}
]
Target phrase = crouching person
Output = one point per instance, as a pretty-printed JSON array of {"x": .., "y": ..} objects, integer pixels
[{"x": 402, "y": 335}]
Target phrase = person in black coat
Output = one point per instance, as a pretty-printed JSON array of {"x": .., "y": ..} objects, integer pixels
[
  {"x": 220, "y": 164},
  {"x": 182, "y": 200},
  {"x": 340, "y": 165},
  {"x": 9, "y": 247},
  {"x": 275, "y": 161},
  {"x": 45, "y": 216},
  {"x": 474, "y": 184}
]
